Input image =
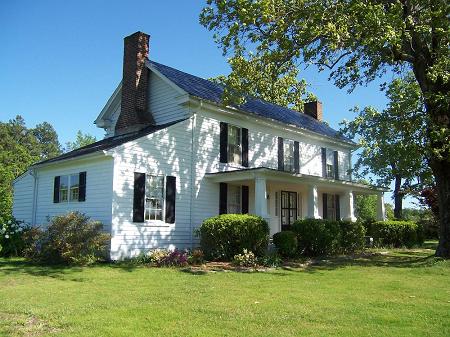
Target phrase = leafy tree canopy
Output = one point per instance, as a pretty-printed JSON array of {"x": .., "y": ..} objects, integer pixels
[{"x": 81, "y": 140}]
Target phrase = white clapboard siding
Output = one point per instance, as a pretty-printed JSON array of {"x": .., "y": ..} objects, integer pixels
[
  {"x": 23, "y": 198},
  {"x": 163, "y": 101},
  {"x": 99, "y": 175},
  {"x": 165, "y": 152}
]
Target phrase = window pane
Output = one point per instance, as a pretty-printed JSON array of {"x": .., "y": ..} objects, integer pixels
[
  {"x": 154, "y": 197},
  {"x": 63, "y": 188},
  {"x": 234, "y": 199},
  {"x": 288, "y": 147},
  {"x": 234, "y": 144}
]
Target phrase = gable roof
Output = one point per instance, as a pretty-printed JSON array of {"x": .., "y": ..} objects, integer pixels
[
  {"x": 210, "y": 91},
  {"x": 108, "y": 143}
]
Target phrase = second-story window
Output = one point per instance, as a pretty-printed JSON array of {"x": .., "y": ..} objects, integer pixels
[
  {"x": 288, "y": 149},
  {"x": 330, "y": 170},
  {"x": 234, "y": 145}
]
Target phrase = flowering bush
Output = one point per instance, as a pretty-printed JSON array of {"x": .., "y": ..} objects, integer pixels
[
  {"x": 176, "y": 258},
  {"x": 246, "y": 259},
  {"x": 72, "y": 238},
  {"x": 157, "y": 256},
  {"x": 12, "y": 237}
]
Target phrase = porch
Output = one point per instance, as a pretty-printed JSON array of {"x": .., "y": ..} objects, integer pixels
[{"x": 283, "y": 197}]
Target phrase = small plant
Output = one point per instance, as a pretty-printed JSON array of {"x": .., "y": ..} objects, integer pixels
[
  {"x": 196, "y": 257},
  {"x": 286, "y": 243},
  {"x": 165, "y": 258},
  {"x": 271, "y": 259},
  {"x": 246, "y": 259},
  {"x": 12, "y": 237},
  {"x": 157, "y": 256}
]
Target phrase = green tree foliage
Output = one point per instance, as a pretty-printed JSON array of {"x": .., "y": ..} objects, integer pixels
[
  {"x": 82, "y": 139},
  {"x": 358, "y": 41},
  {"x": 19, "y": 148},
  {"x": 393, "y": 141}
]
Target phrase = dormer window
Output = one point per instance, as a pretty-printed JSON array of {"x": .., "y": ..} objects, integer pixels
[{"x": 234, "y": 150}]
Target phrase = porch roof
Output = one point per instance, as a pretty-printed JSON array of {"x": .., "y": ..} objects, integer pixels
[{"x": 289, "y": 177}]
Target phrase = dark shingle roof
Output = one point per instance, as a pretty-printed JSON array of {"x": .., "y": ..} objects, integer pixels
[
  {"x": 212, "y": 92},
  {"x": 108, "y": 143}
]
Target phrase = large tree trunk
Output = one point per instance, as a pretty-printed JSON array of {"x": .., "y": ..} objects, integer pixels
[
  {"x": 398, "y": 198},
  {"x": 441, "y": 170}
]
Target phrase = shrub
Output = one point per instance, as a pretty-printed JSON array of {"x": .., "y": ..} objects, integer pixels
[
  {"x": 286, "y": 243},
  {"x": 12, "y": 240},
  {"x": 196, "y": 257},
  {"x": 176, "y": 258},
  {"x": 271, "y": 259},
  {"x": 157, "y": 256},
  {"x": 397, "y": 233},
  {"x": 352, "y": 236},
  {"x": 246, "y": 259},
  {"x": 317, "y": 236},
  {"x": 226, "y": 235},
  {"x": 70, "y": 239}
]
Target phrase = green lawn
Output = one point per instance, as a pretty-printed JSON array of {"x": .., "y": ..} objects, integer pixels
[{"x": 396, "y": 293}]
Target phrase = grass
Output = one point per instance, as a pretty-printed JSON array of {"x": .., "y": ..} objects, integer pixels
[{"x": 388, "y": 293}]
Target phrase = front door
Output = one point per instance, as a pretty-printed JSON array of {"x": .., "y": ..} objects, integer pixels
[{"x": 288, "y": 209}]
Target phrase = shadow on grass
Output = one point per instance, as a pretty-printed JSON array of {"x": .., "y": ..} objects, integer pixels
[{"x": 20, "y": 266}]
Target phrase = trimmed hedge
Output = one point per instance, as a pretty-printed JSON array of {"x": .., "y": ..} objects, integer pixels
[
  {"x": 397, "y": 233},
  {"x": 224, "y": 236},
  {"x": 286, "y": 243},
  {"x": 352, "y": 236},
  {"x": 318, "y": 237}
]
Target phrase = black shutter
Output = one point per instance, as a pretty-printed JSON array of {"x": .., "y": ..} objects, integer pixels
[
  {"x": 296, "y": 157},
  {"x": 223, "y": 198},
  {"x": 244, "y": 199},
  {"x": 280, "y": 154},
  {"x": 171, "y": 193},
  {"x": 325, "y": 206},
  {"x": 338, "y": 207},
  {"x": 82, "y": 187},
  {"x": 244, "y": 147},
  {"x": 324, "y": 162},
  {"x": 139, "y": 197},
  {"x": 56, "y": 190},
  {"x": 223, "y": 142},
  {"x": 336, "y": 165}
]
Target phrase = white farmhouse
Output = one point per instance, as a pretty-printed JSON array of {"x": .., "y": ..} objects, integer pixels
[{"x": 174, "y": 155}]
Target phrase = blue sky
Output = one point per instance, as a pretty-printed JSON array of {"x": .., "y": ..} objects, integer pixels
[{"x": 61, "y": 60}]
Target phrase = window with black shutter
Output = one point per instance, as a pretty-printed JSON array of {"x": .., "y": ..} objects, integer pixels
[{"x": 69, "y": 188}]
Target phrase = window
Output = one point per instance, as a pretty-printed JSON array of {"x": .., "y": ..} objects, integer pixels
[
  {"x": 288, "y": 149},
  {"x": 234, "y": 145},
  {"x": 74, "y": 187},
  {"x": 330, "y": 171},
  {"x": 331, "y": 207},
  {"x": 68, "y": 188},
  {"x": 234, "y": 199},
  {"x": 63, "y": 188},
  {"x": 154, "y": 197}
]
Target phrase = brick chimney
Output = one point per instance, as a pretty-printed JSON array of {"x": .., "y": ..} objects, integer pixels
[
  {"x": 133, "y": 114},
  {"x": 314, "y": 109}
]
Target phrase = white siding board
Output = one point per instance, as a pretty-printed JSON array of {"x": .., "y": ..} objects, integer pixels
[
  {"x": 23, "y": 189},
  {"x": 163, "y": 101},
  {"x": 98, "y": 190}
]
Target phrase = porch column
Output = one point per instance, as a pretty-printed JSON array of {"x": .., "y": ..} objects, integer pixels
[
  {"x": 381, "y": 214},
  {"x": 313, "y": 202},
  {"x": 347, "y": 206},
  {"x": 261, "y": 197}
]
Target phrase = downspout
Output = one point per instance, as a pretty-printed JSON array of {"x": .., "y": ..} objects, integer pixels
[
  {"x": 34, "y": 206},
  {"x": 193, "y": 173}
]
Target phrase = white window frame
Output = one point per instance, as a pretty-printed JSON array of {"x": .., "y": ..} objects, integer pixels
[
  {"x": 69, "y": 188},
  {"x": 232, "y": 159},
  {"x": 329, "y": 165},
  {"x": 288, "y": 161},
  {"x": 163, "y": 203}
]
